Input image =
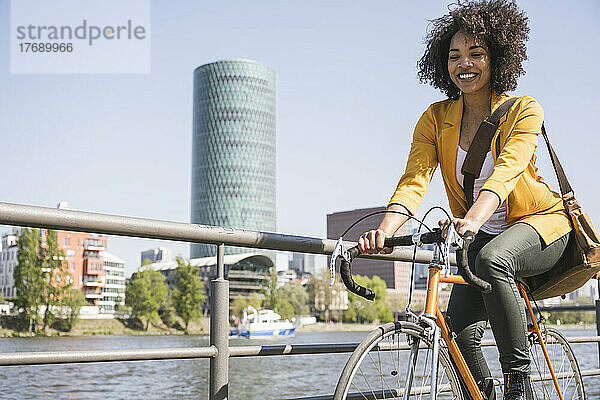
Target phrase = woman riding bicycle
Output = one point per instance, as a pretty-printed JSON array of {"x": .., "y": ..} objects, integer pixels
[{"x": 474, "y": 54}]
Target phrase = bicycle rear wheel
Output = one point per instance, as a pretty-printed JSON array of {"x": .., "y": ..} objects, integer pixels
[
  {"x": 563, "y": 362},
  {"x": 378, "y": 368}
]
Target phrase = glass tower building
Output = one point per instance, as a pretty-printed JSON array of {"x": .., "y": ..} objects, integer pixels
[{"x": 233, "y": 150}]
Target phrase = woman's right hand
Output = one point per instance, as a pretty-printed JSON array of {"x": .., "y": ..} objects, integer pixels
[
  {"x": 444, "y": 225},
  {"x": 372, "y": 242}
]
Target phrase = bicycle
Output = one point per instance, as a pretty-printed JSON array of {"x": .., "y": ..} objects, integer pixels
[{"x": 377, "y": 370}]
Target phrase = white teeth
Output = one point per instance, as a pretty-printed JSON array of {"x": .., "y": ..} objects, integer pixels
[{"x": 466, "y": 76}]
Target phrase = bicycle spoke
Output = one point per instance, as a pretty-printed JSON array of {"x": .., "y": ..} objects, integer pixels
[
  {"x": 564, "y": 358},
  {"x": 412, "y": 365},
  {"x": 571, "y": 377},
  {"x": 367, "y": 381},
  {"x": 575, "y": 395},
  {"x": 396, "y": 367},
  {"x": 549, "y": 374},
  {"x": 380, "y": 373},
  {"x": 568, "y": 384},
  {"x": 391, "y": 344},
  {"x": 359, "y": 391},
  {"x": 539, "y": 368},
  {"x": 425, "y": 373},
  {"x": 564, "y": 381},
  {"x": 381, "y": 377},
  {"x": 563, "y": 365}
]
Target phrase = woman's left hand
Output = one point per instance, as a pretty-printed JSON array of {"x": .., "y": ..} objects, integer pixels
[
  {"x": 483, "y": 208},
  {"x": 463, "y": 225}
]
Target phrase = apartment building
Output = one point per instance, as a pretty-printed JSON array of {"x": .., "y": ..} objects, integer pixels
[
  {"x": 8, "y": 262},
  {"x": 97, "y": 273},
  {"x": 113, "y": 291}
]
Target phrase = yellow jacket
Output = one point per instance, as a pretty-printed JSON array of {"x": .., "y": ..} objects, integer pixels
[{"x": 514, "y": 178}]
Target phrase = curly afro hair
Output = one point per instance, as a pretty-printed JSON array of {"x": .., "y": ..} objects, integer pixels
[{"x": 500, "y": 23}]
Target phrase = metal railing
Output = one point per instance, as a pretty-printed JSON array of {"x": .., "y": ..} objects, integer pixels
[{"x": 218, "y": 350}]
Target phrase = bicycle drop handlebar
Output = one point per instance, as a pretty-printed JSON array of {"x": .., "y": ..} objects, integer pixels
[
  {"x": 434, "y": 236},
  {"x": 462, "y": 262}
]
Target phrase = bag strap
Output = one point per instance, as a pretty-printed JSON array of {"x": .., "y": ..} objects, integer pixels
[
  {"x": 563, "y": 182},
  {"x": 480, "y": 146}
]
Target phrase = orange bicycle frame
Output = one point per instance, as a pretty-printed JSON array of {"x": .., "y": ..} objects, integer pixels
[{"x": 432, "y": 309}]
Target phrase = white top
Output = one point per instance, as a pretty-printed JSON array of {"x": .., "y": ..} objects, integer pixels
[{"x": 497, "y": 222}]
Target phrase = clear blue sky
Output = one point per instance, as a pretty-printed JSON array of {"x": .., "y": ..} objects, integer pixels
[{"x": 347, "y": 101}]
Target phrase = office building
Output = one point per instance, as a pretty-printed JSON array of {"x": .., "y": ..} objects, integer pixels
[
  {"x": 286, "y": 277},
  {"x": 160, "y": 254},
  {"x": 246, "y": 273},
  {"x": 233, "y": 150},
  {"x": 304, "y": 263}
]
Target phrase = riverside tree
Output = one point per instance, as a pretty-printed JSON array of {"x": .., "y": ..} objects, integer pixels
[
  {"x": 57, "y": 280},
  {"x": 361, "y": 310},
  {"x": 270, "y": 290},
  {"x": 146, "y": 294},
  {"x": 239, "y": 303},
  {"x": 188, "y": 295},
  {"x": 274, "y": 299},
  {"x": 40, "y": 277},
  {"x": 320, "y": 292},
  {"x": 72, "y": 302},
  {"x": 28, "y": 277},
  {"x": 297, "y": 296}
]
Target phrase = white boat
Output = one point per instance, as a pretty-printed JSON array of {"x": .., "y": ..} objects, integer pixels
[{"x": 263, "y": 323}]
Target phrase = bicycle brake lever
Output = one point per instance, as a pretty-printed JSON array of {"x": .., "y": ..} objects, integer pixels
[
  {"x": 446, "y": 250},
  {"x": 337, "y": 252},
  {"x": 454, "y": 239},
  {"x": 446, "y": 254}
]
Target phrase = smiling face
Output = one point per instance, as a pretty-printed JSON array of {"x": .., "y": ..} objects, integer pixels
[{"x": 469, "y": 63}]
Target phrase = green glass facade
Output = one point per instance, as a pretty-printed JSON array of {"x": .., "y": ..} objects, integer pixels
[{"x": 233, "y": 150}]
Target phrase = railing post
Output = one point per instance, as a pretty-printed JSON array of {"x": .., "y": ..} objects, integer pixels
[{"x": 219, "y": 331}]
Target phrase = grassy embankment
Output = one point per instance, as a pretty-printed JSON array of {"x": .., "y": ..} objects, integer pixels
[{"x": 116, "y": 327}]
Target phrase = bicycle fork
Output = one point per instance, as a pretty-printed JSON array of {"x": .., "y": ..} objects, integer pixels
[
  {"x": 434, "y": 363},
  {"x": 412, "y": 360},
  {"x": 412, "y": 364},
  {"x": 429, "y": 320}
]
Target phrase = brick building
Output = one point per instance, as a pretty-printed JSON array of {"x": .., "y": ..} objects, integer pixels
[{"x": 91, "y": 265}]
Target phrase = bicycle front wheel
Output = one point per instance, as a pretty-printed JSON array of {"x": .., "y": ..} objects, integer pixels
[
  {"x": 379, "y": 368},
  {"x": 563, "y": 362}
]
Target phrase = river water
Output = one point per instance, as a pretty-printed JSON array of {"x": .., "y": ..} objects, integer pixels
[{"x": 273, "y": 377}]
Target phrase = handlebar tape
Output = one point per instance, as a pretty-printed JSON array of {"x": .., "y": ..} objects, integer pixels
[
  {"x": 434, "y": 236},
  {"x": 462, "y": 262},
  {"x": 346, "y": 274},
  {"x": 398, "y": 241}
]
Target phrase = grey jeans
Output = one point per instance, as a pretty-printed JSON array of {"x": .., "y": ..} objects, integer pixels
[{"x": 517, "y": 252}]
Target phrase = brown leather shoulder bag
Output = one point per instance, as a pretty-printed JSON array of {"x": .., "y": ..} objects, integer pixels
[{"x": 581, "y": 260}]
